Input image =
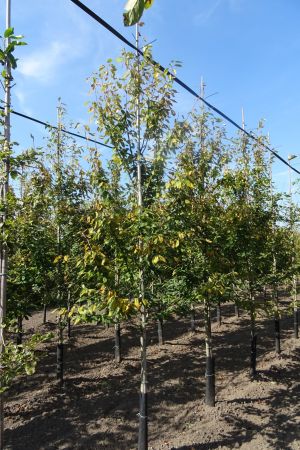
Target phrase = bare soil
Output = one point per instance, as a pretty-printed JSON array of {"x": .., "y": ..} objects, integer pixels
[{"x": 98, "y": 406}]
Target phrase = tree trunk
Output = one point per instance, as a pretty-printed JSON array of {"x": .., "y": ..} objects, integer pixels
[
  {"x": 160, "y": 332},
  {"x": 276, "y": 321},
  {"x": 236, "y": 311},
  {"x": 45, "y": 314},
  {"x": 277, "y": 335},
  {"x": 265, "y": 294},
  {"x": 296, "y": 314},
  {"x": 69, "y": 318},
  {"x": 219, "y": 315},
  {"x": 210, "y": 361},
  {"x": 60, "y": 355},
  {"x": 117, "y": 343},
  {"x": 69, "y": 328},
  {"x": 252, "y": 371},
  {"x": 296, "y": 323},
  {"x": 4, "y": 188},
  {"x": 20, "y": 331},
  {"x": 193, "y": 322},
  {"x": 143, "y": 414}
]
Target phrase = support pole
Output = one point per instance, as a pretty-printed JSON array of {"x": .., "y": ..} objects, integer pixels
[
  {"x": 294, "y": 282},
  {"x": 4, "y": 192},
  {"x": 143, "y": 414},
  {"x": 60, "y": 339}
]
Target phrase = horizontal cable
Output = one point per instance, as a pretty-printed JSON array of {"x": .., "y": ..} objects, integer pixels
[
  {"x": 180, "y": 82},
  {"x": 47, "y": 125}
]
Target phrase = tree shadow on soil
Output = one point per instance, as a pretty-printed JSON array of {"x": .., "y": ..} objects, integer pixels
[
  {"x": 97, "y": 391},
  {"x": 280, "y": 430}
]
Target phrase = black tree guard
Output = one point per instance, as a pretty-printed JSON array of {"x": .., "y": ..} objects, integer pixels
[
  {"x": 117, "y": 343},
  {"x": 160, "y": 332},
  {"x": 143, "y": 423},
  {"x": 296, "y": 323},
  {"x": 193, "y": 323},
  {"x": 60, "y": 363},
  {"x": 253, "y": 356},
  {"x": 219, "y": 314},
  {"x": 210, "y": 394},
  {"x": 277, "y": 335}
]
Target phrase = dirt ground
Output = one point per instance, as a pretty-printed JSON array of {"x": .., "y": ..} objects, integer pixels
[{"x": 98, "y": 406}]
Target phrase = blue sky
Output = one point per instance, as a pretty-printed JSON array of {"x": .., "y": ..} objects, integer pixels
[{"x": 246, "y": 50}]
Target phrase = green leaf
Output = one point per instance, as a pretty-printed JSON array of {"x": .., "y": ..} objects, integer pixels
[
  {"x": 133, "y": 12},
  {"x": 9, "y": 32}
]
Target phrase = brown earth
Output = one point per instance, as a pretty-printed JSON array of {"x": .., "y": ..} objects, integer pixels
[{"x": 98, "y": 406}]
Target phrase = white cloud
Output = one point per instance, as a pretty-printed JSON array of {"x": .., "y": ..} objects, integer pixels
[
  {"x": 205, "y": 15},
  {"x": 44, "y": 63},
  {"x": 22, "y": 101}
]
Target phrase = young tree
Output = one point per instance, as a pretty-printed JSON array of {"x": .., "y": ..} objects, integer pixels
[
  {"x": 197, "y": 209},
  {"x": 134, "y": 110},
  {"x": 250, "y": 218}
]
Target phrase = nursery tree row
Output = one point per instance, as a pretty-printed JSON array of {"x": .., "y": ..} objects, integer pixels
[{"x": 179, "y": 217}]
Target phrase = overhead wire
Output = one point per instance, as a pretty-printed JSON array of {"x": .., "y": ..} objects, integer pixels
[
  {"x": 181, "y": 83},
  {"x": 47, "y": 125}
]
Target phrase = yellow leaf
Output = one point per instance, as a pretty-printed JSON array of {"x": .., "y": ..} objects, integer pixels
[
  {"x": 136, "y": 303},
  {"x": 148, "y": 3},
  {"x": 158, "y": 258}
]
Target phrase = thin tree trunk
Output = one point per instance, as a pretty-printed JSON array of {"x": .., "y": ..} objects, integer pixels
[
  {"x": 60, "y": 354},
  {"x": 219, "y": 314},
  {"x": 117, "y": 343},
  {"x": 295, "y": 307},
  {"x": 236, "y": 308},
  {"x": 160, "y": 331},
  {"x": 193, "y": 321},
  {"x": 20, "y": 331},
  {"x": 143, "y": 414},
  {"x": 276, "y": 322},
  {"x": 252, "y": 371},
  {"x": 296, "y": 323},
  {"x": 277, "y": 335},
  {"x": 236, "y": 311},
  {"x": 60, "y": 327},
  {"x": 69, "y": 328},
  {"x": 69, "y": 318},
  {"x": 265, "y": 294},
  {"x": 4, "y": 192},
  {"x": 210, "y": 361},
  {"x": 45, "y": 314}
]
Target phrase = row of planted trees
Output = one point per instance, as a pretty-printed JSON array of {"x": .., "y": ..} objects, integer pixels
[{"x": 178, "y": 217}]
